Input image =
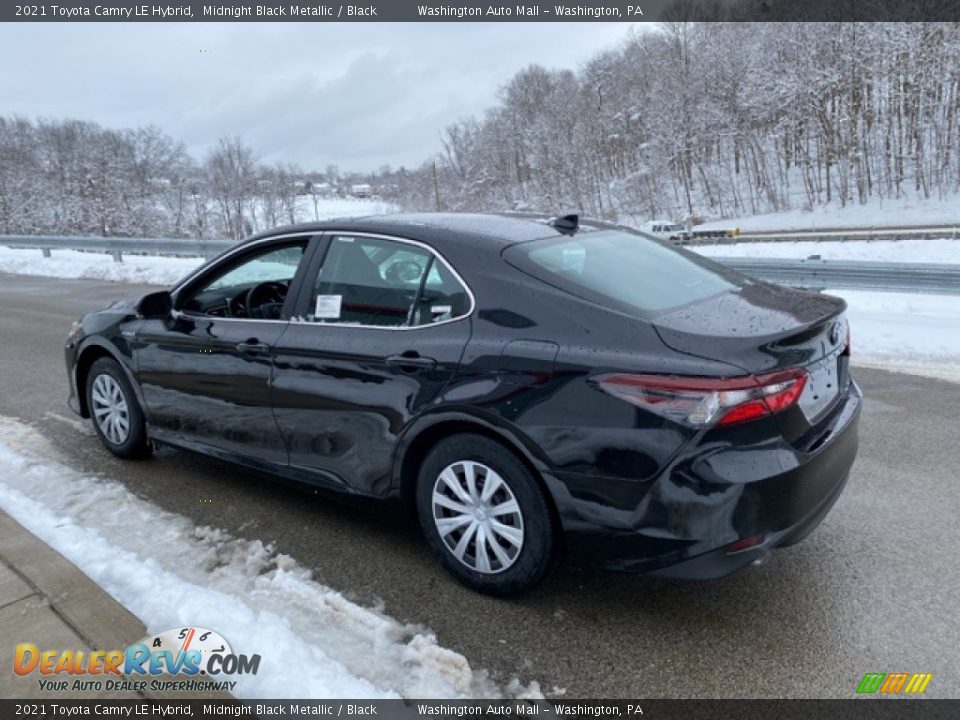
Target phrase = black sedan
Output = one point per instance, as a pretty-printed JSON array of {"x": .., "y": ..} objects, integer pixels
[{"x": 526, "y": 388}]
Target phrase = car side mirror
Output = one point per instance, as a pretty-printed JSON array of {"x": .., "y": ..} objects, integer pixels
[{"x": 155, "y": 305}]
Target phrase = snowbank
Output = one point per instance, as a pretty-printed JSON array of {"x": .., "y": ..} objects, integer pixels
[
  {"x": 877, "y": 212},
  {"x": 313, "y": 642},
  {"x": 140, "y": 269},
  {"x": 916, "y": 334}
]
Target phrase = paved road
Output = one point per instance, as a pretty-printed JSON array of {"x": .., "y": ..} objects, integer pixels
[{"x": 875, "y": 588}]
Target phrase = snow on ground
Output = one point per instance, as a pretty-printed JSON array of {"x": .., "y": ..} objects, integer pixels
[
  {"x": 329, "y": 208},
  {"x": 140, "y": 269},
  {"x": 915, "y": 334},
  {"x": 877, "y": 212},
  {"x": 313, "y": 642},
  {"x": 905, "y": 251}
]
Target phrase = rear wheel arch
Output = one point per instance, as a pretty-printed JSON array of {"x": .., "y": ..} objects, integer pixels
[{"x": 417, "y": 445}]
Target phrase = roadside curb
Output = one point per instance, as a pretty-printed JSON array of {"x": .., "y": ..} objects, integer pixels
[{"x": 47, "y": 600}]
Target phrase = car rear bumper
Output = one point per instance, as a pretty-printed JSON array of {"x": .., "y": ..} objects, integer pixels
[{"x": 770, "y": 493}]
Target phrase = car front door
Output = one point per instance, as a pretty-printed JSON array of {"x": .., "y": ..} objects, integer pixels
[
  {"x": 382, "y": 326},
  {"x": 205, "y": 371}
]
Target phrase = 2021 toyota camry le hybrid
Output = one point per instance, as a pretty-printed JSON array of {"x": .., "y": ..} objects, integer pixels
[{"x": 525, "y": 387}]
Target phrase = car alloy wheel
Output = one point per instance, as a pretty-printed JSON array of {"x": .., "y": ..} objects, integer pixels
[
  {"x": 478, "y": 517},
  {"x": 110, "y": 409}
]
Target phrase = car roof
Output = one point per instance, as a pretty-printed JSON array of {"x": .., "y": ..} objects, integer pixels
[{"x": 444, "y": 230}]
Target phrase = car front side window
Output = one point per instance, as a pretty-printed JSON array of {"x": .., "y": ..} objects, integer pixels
[{"x": 254, "y": 286}]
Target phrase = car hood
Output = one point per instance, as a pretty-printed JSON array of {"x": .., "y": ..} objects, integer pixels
[
  {"x": 756, "y": 327},
  {"x": 125, "y": 305}
]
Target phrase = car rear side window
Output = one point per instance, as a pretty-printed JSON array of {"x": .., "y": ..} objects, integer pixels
[
  {"x": 379, "y": 282},
  {"x": 622, "y": 270}
]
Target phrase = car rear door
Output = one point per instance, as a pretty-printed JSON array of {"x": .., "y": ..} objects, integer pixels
[
  {"x": 205, "y": 372},
  {"x": 381, "y": 327}
]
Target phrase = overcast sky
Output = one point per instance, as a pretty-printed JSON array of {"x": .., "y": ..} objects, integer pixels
[{"x": 358, "y": 95}]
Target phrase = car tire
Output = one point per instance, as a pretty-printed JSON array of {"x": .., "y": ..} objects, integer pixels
[
  {"x": 490, "y": 560},
  {"x": 114, "y": 411}
]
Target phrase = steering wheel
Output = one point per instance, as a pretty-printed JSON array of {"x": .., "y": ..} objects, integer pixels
[{"x": 265, "y": 300}]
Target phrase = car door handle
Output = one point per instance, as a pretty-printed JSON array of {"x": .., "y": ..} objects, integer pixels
[
  {"x": 411, "y": 360},
  {"x": 252, "y": 347}
]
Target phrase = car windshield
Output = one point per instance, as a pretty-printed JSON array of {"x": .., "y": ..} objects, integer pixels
[{"x": 622, "y": 270}]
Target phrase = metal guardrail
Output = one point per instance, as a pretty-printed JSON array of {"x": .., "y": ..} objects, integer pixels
[
  {"x": 734, "y": 236},
  {"x": 117, "y": 246},
  {"x": 814, "y": 274}
]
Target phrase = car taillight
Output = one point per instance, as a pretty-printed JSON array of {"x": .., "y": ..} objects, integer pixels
[{"x": 705, "y": 402}]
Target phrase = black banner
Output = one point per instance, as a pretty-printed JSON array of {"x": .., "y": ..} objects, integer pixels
[
  {"x": 854, "y": 709},
  {"x": 467, "y": 11}
]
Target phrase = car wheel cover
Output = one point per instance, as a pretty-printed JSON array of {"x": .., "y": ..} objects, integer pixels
[
  {"x": 110, "y": 409},
  {"x": 477, "y": 517}
]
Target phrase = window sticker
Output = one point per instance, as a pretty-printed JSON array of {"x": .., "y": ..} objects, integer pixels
[{"x": 328, "y": 307}]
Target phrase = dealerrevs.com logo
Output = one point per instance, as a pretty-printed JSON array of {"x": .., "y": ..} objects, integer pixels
[{"x": 182, "y": 655}]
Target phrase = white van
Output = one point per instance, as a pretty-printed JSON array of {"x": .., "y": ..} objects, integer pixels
[{"x": 666, "y": 230}]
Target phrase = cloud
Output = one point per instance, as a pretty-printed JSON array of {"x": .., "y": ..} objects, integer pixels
[{"x": 359, "y": 95}]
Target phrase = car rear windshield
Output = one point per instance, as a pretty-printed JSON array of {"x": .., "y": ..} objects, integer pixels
[{"x": 622, "y": 270}]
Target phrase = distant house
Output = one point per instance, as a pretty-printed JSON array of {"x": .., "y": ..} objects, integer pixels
[{"x": 361, "y": 190}]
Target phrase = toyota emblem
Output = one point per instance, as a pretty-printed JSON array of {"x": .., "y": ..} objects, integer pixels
[{"x": 835, "y": 334}]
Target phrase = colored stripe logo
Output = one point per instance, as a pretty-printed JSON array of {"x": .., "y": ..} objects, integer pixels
[{"x": 894, "y": 683}]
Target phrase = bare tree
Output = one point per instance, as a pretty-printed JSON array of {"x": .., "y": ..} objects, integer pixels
[{"x": 231, "y": 173}]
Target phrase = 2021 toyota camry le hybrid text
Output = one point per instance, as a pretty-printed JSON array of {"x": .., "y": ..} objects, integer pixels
[{"x": 525, "y": 387}]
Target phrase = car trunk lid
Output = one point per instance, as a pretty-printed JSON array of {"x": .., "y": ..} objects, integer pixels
[{"x": 760, "y": 328}]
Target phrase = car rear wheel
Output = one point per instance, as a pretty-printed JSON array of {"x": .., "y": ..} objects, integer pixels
[
  {"x": 485, "y": 516},
  {"x": 116, "y": 415}
]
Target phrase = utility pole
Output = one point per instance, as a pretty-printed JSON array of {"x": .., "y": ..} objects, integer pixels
[{"x": 436, "y": 186}]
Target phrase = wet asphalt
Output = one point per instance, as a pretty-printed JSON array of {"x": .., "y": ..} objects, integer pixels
[{"x": 874, "y": 589}]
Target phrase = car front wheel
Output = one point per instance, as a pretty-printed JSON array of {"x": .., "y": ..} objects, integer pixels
[
  {"x": 485, "y": 516},
  {"x": 116, "y": 415}
]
